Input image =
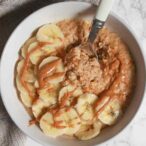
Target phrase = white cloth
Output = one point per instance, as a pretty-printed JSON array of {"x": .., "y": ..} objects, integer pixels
[{"x": 12, "y": 12}]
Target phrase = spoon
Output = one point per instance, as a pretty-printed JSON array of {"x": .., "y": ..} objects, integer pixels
[{"x": 98, "y": 23}]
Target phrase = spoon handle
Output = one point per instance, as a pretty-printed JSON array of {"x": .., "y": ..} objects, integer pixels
[{"x": 100, "y": 18}]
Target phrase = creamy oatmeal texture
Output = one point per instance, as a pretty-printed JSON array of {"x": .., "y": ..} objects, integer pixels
[{"x": 68, "y": 90}]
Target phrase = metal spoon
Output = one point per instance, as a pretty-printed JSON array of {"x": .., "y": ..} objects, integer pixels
[{"x": 98, "y": 23}]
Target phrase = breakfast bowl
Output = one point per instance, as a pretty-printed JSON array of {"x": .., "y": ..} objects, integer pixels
[{"x": 54, "y": 13}]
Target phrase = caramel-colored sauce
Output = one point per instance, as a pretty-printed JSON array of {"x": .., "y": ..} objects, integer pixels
[
  {"x": 54, "y": 76},
  {"x": 68, "y": 109},
  {"x": 61, "y": 52},
  {"x": 74, "y": 102},
  {"x": 51, "y": 89},
  {"x": 99, "y": 101},
  {"x": 58, "y": 125},
  {"x": 34, "y": 121},
  {"x": 71, "y": 82},
  {"x": 86, "y": 89},
  {"x": 47, "y": 70},
  {"x": 45, "y": 81},
  {"x": 26, "y": 65},
  {"x": 56, "y": 113},
  {"x": 65, "y": 98}
]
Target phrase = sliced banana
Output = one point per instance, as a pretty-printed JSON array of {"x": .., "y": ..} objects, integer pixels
[
  {"x": 48, "y": 49},
  {"x": 47, "y": 60},
  {"x": 50, "y": 33},
  {"x": 59, "y": 68},
  {"x": 41, "y": 50},
  {"x": 87, "y": 132},
  {"x": 58, "y": 75},
  {"x": 101, "y": 102},
  {"x": 49, "y": 94},
  {"x": 69, "y": 122},
  {"x": 111, "y": 112},
  {"x": 39, "y": 106},
  {"x": 29, "y": 74},
  {"x": 24, "y": 48},
  {"x": 69, "y": 89},
  {"x": 24, "y": 95},
  {"x": 84, "y": 106},
  {"x": 64, "y": 92},
  {"x": 20, "y": 66},
  {"x": 77, "y": 92},
  {"x": 26, "y": 100},
  {"x": 35, "y": 55},
  {"x": 58, "y": 78},
  {"x": 72, "y": 120},
  {"x": 19, "y": 85},
  {"x": 49, "y": 126}
]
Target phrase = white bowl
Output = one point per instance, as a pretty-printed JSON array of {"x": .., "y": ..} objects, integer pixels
[{"x": 53, "y": 13}]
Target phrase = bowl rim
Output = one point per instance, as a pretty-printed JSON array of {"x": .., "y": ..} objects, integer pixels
[{"x": 122, "y": 21}]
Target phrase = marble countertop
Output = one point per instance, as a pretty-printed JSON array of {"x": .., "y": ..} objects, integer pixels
[{"x": 134, "y": 13}]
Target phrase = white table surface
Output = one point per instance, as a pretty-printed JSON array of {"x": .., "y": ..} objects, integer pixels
[{"x": 134, "y": 13}]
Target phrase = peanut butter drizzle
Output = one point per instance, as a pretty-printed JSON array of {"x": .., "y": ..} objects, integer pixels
[
  {"x": 68, "y": 109},
  {"x": 56, "y": 113},
  {"x": 44, "y": 81},
  {"x": 61, "y": 52},
  {"x": 65, "y": 98},
  {"x": 32, "y": 122},
  {"x": 25, "y": 67},
  {"x": 71, "y": 82},
  {"x": 46, "y": 70},
  {"x": 51, "y": 89},
  {"x": 55, "y": 75},
  {"x": 58, "y": 125},
  {"x": 99, "y": 101}
]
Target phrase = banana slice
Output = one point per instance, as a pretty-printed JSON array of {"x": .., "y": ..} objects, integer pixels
[
  {"x": 66, "y": 95},
  {"x": 87, "y": 132},
  {"x": 58, "y": 75},
  {"x": 47, "y": 60},
  {"x": 111, "y": 112},
  {"x": 69, "y": 122},
  {"x": 101, "y": 102},
  {"x": 84, "y": 106},
  {"x": 37, "y": 54},
  {"x": 29, "y": 74},
  {"x": 49, "y": 94},
  {"x": 72, "y": 120},
  {"x": 59, "y": 68},
  {"x": 41, "y": 50},
  {"x": 48, "y": 49},
  {"x": 20, "y": 66},
  {"x": 46, "y": 94},
  {"x": 70, "y": 91},
  {"x": 51, "y": 34},
  {"x": 51, "y": 126},
  {"x": 39, "y": 107},
  {"x": 57, "y": 79},
  {"x": 77, "y": 92},
  {"x": 25, "y": 98},
  {"x": 24, "y": 49}
]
